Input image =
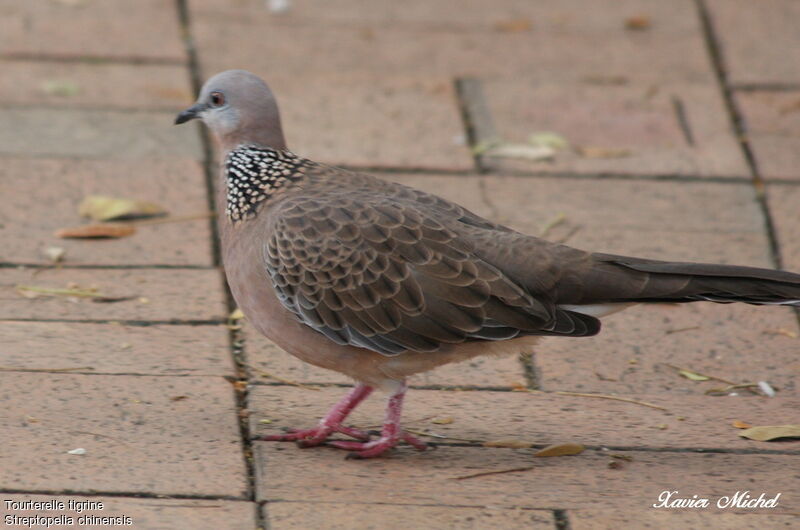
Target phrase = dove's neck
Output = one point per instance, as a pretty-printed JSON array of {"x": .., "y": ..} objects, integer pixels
[{"x": 251, "y": 175}]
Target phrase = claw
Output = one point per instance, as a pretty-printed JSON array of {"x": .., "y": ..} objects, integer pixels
[{"x": 389, "y": 436}]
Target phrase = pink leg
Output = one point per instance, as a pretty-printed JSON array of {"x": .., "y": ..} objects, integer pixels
[
  {"x": 391, "y": 433},
  {"x": 332, "y": 422}
]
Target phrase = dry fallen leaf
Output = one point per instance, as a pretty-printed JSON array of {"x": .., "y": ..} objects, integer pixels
[
  {"x": 771, "y": 432},
  {"x": 100, "y": 231},
  {"x": 178, "y": 398},
  {"x": 694, "y": 376},
  {"x": 516, "y": 25},
  {"x": 638, "y": 22},
  {"x": 60, "y": 88},
  {"x": 548, "y": 139},
  {"x": 781, "y": 331},
  {"x": 741, "y": 424},
  {"x": 102, "y": 208},
  {"x": 510, "y": 443},
  {"x": 510, "y": 150},
  {"x": 561, "y": 450},
  {"x": 55, "y": 254},
  {"x": 443, "y": 421},
  {"x": 589, "y": 151}
]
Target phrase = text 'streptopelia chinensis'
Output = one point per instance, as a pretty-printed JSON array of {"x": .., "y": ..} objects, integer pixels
[{"x": 380, "y": 281}]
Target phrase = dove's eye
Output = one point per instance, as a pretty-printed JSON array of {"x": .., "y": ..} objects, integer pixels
[{"x": 217, "y": 99}]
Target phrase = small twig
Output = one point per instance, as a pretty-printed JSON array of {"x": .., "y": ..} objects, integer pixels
[
  {"x": 679, "y": 330},
  {"x": 731, "y": 383},
  {"x": 262, "y": 373},
  {"x": 568, "y": 235},
  {"x": 84, "y": 293},
  {"x": 748, "y": 386},
  {"x": 615, "y": 398},
  {"x": 486, "y": 473},
  {"x": 679, "y": 369},
  {"x": 23, "y": 369},
  {"x": 552, "y": 223},
  {"x": 174, "y": 219},
  {"x": 440, "y": 436}
]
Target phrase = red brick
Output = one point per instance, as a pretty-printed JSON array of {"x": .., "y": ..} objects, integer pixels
[
  {"x": 585, "y": 481},
  {"x": 98, "y": 85},
  {"x": 47, "y": 199},
  {"x": 738, "y": 343},
  {"x": 340, "y": 516},
  {"x": 152, "y": 513},
  {"x": 783, "y": 201},
  {"x": 43, "y": 132},
  {"x": 138, "y": 437},
  {"x": 116, "y": 349},
  {"x": 679, "y": 518},
  {"x": 424, "y": 38},
  {"x": 772, "y": 121},
  {"x": 157, "y": 294},
  {"x": 542, "y": 418},
  {"x": 643, "y": 122},
  {"x": 370, "y": 120},
  {"x": 759, "y": 41},
  {"x": 145, "y": 29}
]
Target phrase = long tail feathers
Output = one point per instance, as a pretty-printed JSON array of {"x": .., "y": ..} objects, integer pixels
[{"x": 689, "y": 282}]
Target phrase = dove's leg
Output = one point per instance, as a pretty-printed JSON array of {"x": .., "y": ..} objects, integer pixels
[
  {"x": 331, "y": 423},
  {"x": 391, "y": 433}
]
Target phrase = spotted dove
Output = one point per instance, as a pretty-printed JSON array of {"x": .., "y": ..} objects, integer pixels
[{"x": 380, "y": 281}]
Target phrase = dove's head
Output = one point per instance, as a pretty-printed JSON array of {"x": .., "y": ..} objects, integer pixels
[{"x": 238, "y": 108}]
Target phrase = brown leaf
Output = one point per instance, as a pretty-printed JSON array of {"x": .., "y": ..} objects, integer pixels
[
  {"x": 741, "y": 424},
  {"x": 102, "y": 208},
  {"x": 638, "y": 23},
  {"x": 561, "y": 450},
  {"x": 510, "y": 443},
  {"x": 178, "y": 398},
  {"x": 771, "y": 432},
  {"x": 517, "y": 25},
  {"x": 100, "y": 231}
]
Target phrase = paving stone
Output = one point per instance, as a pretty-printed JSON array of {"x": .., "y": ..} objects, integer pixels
[
  {"x": 385, "y": 38},
  {"x": 156, "y": 294},
  {"x": 115, "y": 349},
  {"x": 772, "y": 120},
  {"x": 47, "y": 193},
  {"x": 368, "y": 120},
  {"x": 95, "y": 134},
  {"x": 585, "y": 481},
  {"x": 644, "y": 518},
  {"x": 783, "y": 201},
  {"x": 636, "y": 129},
  {"x": 542, "y": 418},
  {"x": 265, "y": 357},
  {"x": 98, "y": 85},
  {"x": 739, "y": 343},
  {"x": 138, "y": 437},
  {"x": 760, "y": 41},
  {"x": 94, "y": 28},
  {"x": 341, "y": 516},
  {"x": 150, "y": 513}
]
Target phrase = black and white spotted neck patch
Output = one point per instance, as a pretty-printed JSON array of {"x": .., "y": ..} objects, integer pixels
[{"x": 253, "y": 174}]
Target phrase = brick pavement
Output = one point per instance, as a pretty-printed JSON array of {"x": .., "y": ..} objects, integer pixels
[{"x": 683, "y": 135}]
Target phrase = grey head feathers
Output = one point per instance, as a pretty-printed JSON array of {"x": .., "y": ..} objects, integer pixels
[{"x": 239, "y": 109}]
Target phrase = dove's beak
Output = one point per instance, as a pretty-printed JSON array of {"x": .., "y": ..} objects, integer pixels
[{"x": 190, "y": 113}]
